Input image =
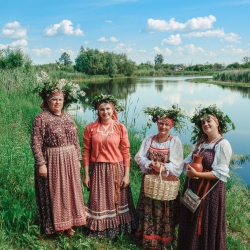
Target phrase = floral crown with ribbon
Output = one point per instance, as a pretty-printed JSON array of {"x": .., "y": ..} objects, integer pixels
[
  {"x": 46, "y": 86},
  {"x": 106, "y": 99},
  {"x": 174, "y": 112},
  {"x": 200, "y": 113}
]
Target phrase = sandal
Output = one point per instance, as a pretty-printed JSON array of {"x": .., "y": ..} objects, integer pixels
[{"x": 70, "y": 232}]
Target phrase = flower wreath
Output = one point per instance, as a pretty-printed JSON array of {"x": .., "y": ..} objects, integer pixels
[
  {"x": 46, "y": 86},
  {"x": 225, "y": 123},
  {"x": 174, "y": 112},
  {"x": 107, "y": 98}
]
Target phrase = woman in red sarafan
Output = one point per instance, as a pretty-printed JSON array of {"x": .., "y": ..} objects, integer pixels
[
  {"x": 157, "y": 218},
  {"x": 110, "y": 208},
  {"x": 57, "y": 155}
]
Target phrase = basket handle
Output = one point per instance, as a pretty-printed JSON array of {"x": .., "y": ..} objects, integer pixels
[{"x": 160, "y": 173}]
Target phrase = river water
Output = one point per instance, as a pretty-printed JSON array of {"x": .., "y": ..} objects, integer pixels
[{"x": 164, "y": 91}]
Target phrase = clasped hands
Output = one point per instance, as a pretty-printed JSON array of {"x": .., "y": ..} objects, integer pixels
[{"x": 156, "y": 166}]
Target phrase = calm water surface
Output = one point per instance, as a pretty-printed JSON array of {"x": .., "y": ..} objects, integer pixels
[{"x": 165, "y": 91}]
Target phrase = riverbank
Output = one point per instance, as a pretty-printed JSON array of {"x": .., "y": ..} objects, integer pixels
[
  {"x": 220, "y": 83},
  {"x": 18, "y": 107}
]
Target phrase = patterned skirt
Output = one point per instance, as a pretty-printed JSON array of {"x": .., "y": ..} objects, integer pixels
[
  {"x": 110, "y": 208},
  {"x": 59, "y": 196},
  {"x": 210, "y": 215},
  {"x": 157, "y": 221}
]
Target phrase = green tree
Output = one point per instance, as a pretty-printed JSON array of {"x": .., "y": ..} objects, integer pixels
[
  {"x": 14, "y": 58},
  {"x": 65, "y": 59},
  {"x": 159, "y": 59}
]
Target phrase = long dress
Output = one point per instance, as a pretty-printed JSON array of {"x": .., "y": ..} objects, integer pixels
[
  {"x": 59, "y": 196},
  {"x": 157, "y": 219},
  {"x": 110, "y": 208},
  {"x": 206, "y": 228}
]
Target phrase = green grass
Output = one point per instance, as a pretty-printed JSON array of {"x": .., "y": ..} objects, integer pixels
[{"x": 18, "y": 107}]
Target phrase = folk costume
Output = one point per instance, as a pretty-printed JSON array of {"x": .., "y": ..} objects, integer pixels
[
  {"x": 206, "y": 228},
  {"x": 157, "y": 218},
  {"x": 110, "y": 208},
  {"x": 59, "y": 196}
]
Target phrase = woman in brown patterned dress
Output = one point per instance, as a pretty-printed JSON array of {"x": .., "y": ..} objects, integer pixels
[
  {"x": 56, "y": 150},
  {"x": 206, "y": 228},
  {"x": 110, "y": 208},
  {"x": 157, "y": 219}
]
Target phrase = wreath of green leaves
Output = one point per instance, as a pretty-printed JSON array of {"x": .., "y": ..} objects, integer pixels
[
  {"x": 225, "y": 123},
  {"x": 174, "y": 112},
  {"x": 46, "y": 85},
  {"x": 107, "y": 98}
]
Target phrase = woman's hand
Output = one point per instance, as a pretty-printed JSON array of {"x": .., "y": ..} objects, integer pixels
[
  {"x": 86, "y": 181},
  {"x": 156, "y": 166},
  {"x": 125, "y": 181},
  {"x": 43, "y": 171},
  {"x": 191, "y": 172},
  {"x": 79, "y": 165}
]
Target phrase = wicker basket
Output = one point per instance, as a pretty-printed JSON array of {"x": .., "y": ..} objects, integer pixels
[{"x": 161, "y": 188}]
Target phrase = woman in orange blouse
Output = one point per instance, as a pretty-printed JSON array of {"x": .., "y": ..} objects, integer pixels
[{"x": 106, "y": 168}]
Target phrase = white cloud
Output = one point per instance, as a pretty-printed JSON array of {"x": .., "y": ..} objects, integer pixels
[
  {"x": 165, "y": 52},
  {"x": 232, "y": 50},
  {"x": 208, "y": 33},
  {"x": 197, "y": 23},
  {"x": 86, "y": 42},
  {"x": 111, "y": 39},
  {"x": 119, "y": 46},
  {"x": 19, "y": 43},
  {"x": 63, "y": 28},
  {"x": 190, "y": 50},
  {"x": 157, "y": 50},
  {"x": 226, "y": 37},
  {"x": 142, "y": 51},
  {"x": 14, "y": 30},
  {"x": 42, "y": 52},
  {"x": 108, "y": 21},
  {"x": 102, "y": 39},
  {"x": 172, "y": 40},
  {"x": 232, "y": 38}
]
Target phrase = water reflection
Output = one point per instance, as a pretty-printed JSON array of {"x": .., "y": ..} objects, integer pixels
[{"x": 165, "y": 91}]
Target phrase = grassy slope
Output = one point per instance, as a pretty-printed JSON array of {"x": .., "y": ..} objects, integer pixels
[{"x": 17, "y": 197}]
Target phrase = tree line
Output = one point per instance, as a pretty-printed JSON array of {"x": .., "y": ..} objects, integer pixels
[{"x": 95, "y": 62}]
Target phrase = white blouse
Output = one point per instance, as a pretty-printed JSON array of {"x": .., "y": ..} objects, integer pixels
[
  {"x": 220, "y": 165},
  {"x": 174, "y": 167}
]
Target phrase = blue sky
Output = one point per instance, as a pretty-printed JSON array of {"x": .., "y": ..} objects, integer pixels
[{"x": 188, "y": 32}]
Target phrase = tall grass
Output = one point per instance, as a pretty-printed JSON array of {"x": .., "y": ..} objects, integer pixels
[
  {"x": 238, "y": 76},
  {"x": 18, "y": 107}
]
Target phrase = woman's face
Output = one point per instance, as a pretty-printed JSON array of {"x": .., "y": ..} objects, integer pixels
[
  {"x": 56, "y": 105},
  {"x": 163, "y": 127},
  {"x": 209, "y": 125},
  {"x": 105, "y": 112}
]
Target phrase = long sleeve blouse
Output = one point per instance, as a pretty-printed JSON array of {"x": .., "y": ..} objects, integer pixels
[
  {"x": 50, "y": 130},
  {"x": 220, "y": 165},
  {"x": 98, "y": 147},
  {"x": 174, "y": 166}
]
